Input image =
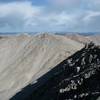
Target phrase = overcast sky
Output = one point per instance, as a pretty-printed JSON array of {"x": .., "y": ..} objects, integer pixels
[{"x": 49, "y": 15}]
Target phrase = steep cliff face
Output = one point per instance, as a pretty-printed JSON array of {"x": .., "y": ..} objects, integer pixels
[{"x": 76, "y": 78}]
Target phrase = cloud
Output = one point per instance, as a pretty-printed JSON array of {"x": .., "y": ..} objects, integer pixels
[
  {"x": 92, "y": 4},
  {"x": 65, "y": 3},
  {"x": 16, "y": 15},
  {"x": 91, "y": 15},
  {"x": 24, "y": 16},
  {"x": 51, "y": 21},
  {"x": 91, "y": 21},
  {"x": 5, "y": 1}
]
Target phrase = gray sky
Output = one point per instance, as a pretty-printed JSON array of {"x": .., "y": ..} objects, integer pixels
[{"x": 49, "y": 15}]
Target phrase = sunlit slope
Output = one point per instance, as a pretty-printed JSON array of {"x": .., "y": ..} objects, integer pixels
[
  {"x": 85, "y": 39},
  {"x": 24, "y": 58}
]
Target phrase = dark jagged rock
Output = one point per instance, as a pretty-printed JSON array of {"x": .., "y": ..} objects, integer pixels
[{"x": 76, "y": 78}]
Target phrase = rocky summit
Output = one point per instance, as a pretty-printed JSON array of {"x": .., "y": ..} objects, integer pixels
[{"x": 76, "y": 78}]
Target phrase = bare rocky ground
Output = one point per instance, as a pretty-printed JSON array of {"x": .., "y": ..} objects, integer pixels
[
  {"x": 75, "y": 78},
  {"x": 24, "y": 58}
]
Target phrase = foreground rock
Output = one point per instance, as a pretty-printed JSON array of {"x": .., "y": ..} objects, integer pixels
[
  {"x": 25, "y": 58},
  {"x": 76, "y": 78}
]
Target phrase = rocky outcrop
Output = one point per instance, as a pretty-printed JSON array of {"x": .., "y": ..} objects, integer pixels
[{"x": 76, "y": 78}]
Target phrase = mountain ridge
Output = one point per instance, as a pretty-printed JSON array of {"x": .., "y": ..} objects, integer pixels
[
  {"x": 75, "y": 78},
  {"x": 25, "y": 58}
]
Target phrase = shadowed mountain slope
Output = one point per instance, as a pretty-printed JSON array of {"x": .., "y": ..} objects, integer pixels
[{"x": 76, "y": 78}]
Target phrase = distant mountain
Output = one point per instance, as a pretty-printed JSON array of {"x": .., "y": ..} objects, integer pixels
[
  {"x": 73, "y": 33},
  {"x": 87, "y": 34},
  {"x": 85, "y": 38}
]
